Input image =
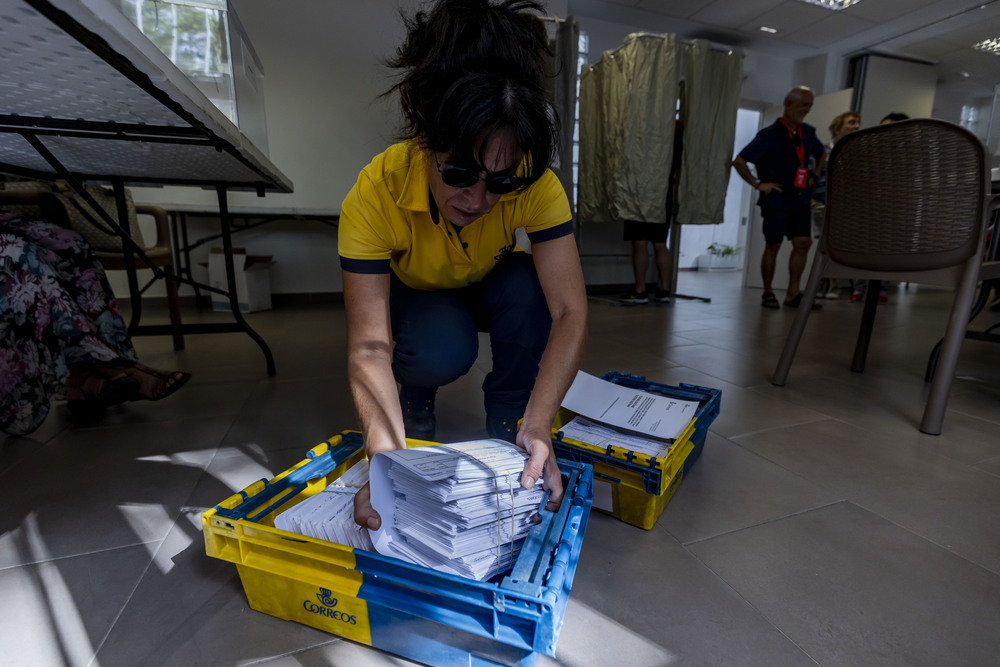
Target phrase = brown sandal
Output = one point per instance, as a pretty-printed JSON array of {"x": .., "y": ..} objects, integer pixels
[
  {"x": 155, "y": 385},
  {"x": 89, "y": 395},
  {"x": 103, "y": 387}
]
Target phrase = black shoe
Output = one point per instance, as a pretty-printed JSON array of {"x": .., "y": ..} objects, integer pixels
[
  {"x": 634, "y": 298},
  {"x": 662, "y": 296},
  {"x": 503, "y": 429},
  {"x": 418, "y": 412}
]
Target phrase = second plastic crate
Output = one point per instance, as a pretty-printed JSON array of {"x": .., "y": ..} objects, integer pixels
[{"x": 633, "y": 486}]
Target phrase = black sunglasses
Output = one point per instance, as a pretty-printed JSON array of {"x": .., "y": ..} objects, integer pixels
[{"x": 460, "y": 177}]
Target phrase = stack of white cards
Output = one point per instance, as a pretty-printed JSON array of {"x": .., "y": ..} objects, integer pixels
[
  {"x": 329, "y": 515},
  {"x": 455, "y": 508},
  {"x": 612, "y": 414}
]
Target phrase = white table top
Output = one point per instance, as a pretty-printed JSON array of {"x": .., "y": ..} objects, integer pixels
[{"x": 84, "y": 78}]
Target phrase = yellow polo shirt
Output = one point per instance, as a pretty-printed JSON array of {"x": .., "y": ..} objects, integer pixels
[{"x": 386, "y": 224}]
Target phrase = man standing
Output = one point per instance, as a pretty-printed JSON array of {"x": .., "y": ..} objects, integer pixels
[{"x": 787, "y": 156}]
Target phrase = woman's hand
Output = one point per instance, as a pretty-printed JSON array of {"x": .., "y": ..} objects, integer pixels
[
  {"x": 541, "y": 464},
  {"x": 364, "y": 514}
]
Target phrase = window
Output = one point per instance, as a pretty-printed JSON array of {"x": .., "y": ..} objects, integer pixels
[{"x": 583, "y": 47}]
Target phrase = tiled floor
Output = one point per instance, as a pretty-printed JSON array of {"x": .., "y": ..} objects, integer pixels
[{"x": 818, "y": 528}]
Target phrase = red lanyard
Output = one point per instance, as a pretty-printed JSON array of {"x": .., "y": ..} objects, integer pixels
[{"x": 800, "y": 150}]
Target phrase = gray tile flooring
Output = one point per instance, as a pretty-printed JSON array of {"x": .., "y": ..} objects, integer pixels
[{"x": 818, "y": 528}]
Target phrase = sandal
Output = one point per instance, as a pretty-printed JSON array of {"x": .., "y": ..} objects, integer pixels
[
  {"x": 797, "y": 300},
  {"x": 155, "y": 385},
  {"x": 102, "y": 388},
  {"x": 768, "y": 300},
  {"x": 89, "y": 396}
]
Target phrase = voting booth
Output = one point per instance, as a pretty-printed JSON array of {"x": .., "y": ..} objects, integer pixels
[
  {"x": 635, "y": 486},
  {"x": 416, "y": 612}
]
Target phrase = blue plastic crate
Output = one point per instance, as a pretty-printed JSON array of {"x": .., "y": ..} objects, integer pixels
[{"x": 386, "y": 603}]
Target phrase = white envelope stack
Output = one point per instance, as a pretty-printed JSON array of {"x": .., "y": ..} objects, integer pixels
[
  {"x": 329, "y": 515},
  {"x": 456, "y": 508}
]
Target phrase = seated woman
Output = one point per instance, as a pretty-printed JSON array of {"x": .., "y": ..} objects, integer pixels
[{"x": 61, "y": 335}]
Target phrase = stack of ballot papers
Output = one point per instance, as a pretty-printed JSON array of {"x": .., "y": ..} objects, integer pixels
[
  {"x": 456, "y": 508},
  {"x": 329, "y": 515},
  {"x": 612, "y": 414},
  {"x": 594, "y": 433}
]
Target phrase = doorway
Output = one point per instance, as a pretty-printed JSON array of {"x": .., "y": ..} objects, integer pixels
[{"x": 695, "y": 239}]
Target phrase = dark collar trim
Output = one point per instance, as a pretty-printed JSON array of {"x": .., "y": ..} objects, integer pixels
[{"x": 433, "y": 206}]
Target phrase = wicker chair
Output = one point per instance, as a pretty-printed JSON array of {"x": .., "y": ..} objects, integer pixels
[
  {"x": 909, "y": 202},
  {"x": 49, "y": 203}
]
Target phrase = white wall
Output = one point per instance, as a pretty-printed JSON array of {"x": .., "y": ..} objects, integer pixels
[
  {"x": 896, "y": 86},
  {"x": 325, "y": 120},
  {"x": 322, "y": 81}
]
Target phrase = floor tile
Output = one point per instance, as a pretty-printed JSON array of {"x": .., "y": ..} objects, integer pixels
[
  {"x": 851, "y": 588},
  {"x": 102, "y": 488},
  {"x": 674, "y": 604},
  {"x": 59, "y": 611},
  {"x": 730, "y": 488},
  {"x": 950, "y": 503}
]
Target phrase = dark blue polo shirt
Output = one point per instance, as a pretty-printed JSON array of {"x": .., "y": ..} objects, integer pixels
[{"x": 773, "y": 154}]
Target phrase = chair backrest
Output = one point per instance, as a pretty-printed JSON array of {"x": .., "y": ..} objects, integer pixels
[
  {"x": 906, "y": 196},
  {"x": 81, "y": 216}
]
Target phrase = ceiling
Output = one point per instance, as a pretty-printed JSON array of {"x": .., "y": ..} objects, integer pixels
[{"x": 941, "y": 32}]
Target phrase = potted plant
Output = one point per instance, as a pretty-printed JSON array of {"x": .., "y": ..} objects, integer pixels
[{"x": 720, "y": 257}]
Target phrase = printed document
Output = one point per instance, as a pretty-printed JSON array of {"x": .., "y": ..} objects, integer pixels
[{"x": 634, "y": 410}]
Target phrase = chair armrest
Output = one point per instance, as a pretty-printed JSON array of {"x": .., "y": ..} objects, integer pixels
[
  {"x": 162, "y": 223},
  {"x": 51, "y": 207}
]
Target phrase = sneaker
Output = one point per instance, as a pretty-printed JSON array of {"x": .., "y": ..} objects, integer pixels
[
  {"x": 634, "y": 298},
  {"x": 662, "y": 296},
  {"x": 502, "y": 428},
  {"x": 831, "y": 295},
  {"x": 418, "y": 412},
  {"x": 855, "y": 297}
]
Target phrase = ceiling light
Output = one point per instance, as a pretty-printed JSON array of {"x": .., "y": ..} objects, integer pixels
[
  {"x": 835, "y": 5},
  {"x": 764, "y": 28},
  {"x": 989, "y": 45}
]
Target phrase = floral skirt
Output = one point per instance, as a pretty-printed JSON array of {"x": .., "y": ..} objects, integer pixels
[{"x": 56, "y": 310}]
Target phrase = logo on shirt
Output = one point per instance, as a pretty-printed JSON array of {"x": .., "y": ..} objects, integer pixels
[{"x": 504, "y": 251}]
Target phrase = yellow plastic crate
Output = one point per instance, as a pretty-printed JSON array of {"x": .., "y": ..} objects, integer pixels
[
  {"x": 384, "y": 602},
  {"x": 633, "y": 486}
]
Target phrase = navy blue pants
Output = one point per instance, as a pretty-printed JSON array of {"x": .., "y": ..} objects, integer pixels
[{"x": 437, "y": 341}]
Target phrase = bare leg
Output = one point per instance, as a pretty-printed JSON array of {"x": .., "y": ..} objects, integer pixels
[
  {"x": 767, "y": 263},
  {"x": 640, "y": 265},
  {"x": 663, "y": 265}
]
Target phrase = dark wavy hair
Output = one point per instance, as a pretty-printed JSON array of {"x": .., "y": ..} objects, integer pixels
[{"x": 471, "y": 68}]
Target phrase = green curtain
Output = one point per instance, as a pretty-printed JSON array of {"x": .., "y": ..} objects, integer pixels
[
  {"x": 713, "y": 80},
  {"x": 627, "y": 112}
]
